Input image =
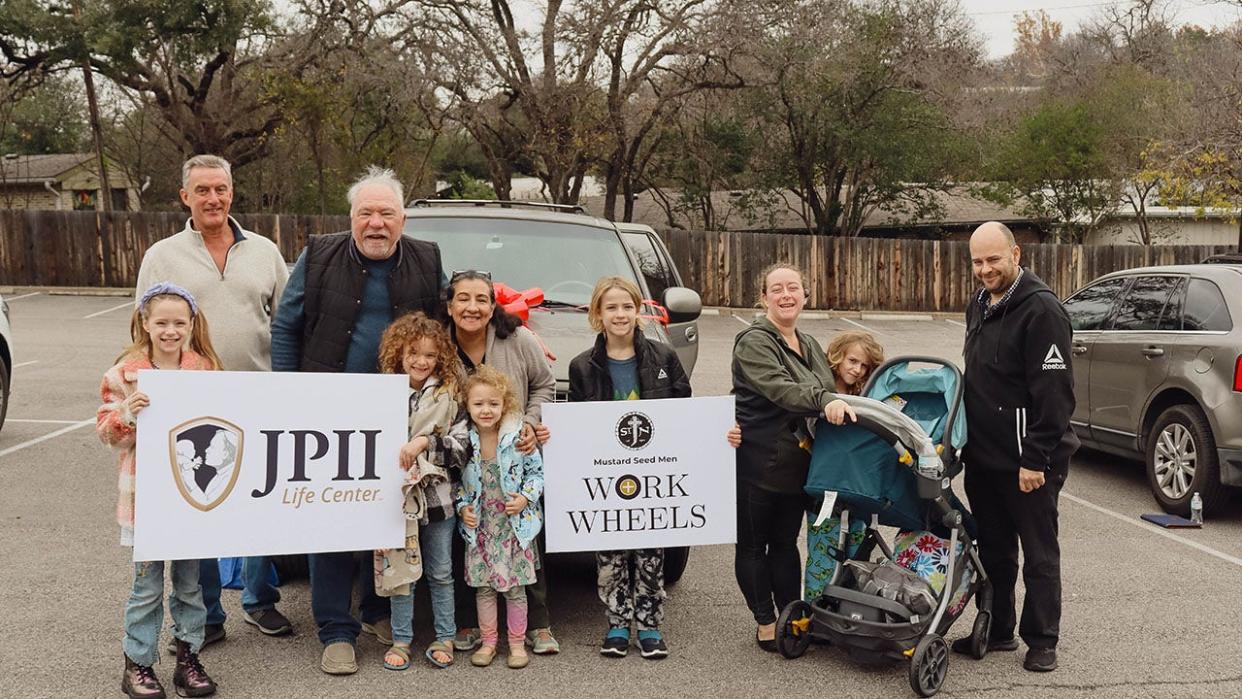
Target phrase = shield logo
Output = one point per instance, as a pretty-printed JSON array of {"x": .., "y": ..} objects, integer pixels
[{"x": 206, "y": 455}]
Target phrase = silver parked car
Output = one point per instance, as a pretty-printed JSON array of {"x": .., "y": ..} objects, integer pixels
[{"x": 1157, "y": 376}]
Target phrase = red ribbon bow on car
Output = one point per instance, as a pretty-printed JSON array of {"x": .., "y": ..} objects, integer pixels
[{"x": 516, "y": 302}]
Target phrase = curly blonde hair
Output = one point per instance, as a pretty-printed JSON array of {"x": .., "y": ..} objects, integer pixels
[
  {"x": 402, "y": 336},
  {"x": 870, "y": 347},
  {"x": 495, "y": 379}
]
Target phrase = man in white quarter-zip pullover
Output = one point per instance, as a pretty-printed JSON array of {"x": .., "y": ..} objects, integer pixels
[{"x": 237, "y": 277}]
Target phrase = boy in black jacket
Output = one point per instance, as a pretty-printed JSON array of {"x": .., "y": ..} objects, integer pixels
[{"x": 1019, "y": 399}]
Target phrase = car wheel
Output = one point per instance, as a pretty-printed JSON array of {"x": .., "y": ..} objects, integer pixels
[
  {"x": 1182, "y": 460},
  {"x": 675, "y": 561},
  {"x": 4, "y": 391}
]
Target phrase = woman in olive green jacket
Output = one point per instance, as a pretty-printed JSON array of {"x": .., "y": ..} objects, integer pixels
[{"x": 780, "y": 377}]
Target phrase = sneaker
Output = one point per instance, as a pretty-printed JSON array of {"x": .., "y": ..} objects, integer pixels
[
  {"x": 542, "y": 642},
  {"x": 190, "y": 679},
  {"x": 212, "y": 633},
  {"x": 963, "y": 645},
  {"x": 269, "y": 622},
  {"x": 1040, "y": 660},
  {"x": 140, "y": 682},
  {"x": 616, "y": 643},
  {"x": 381, "y": 630},
  {"x": 467, "y": 639},
  {"x": 339, "y": 659},
  {"x": 651, "y": 645}
]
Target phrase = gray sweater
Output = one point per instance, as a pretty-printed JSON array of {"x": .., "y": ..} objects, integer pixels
[
  {"x": 521, "y": 358},
  {"x": 238, "y": 303}
]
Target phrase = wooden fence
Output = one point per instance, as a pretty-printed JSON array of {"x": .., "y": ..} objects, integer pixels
[
  {"x": 85, "y": 248},
  {"x": 889, "y": 274}
]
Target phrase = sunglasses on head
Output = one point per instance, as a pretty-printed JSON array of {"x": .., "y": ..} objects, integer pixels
[{"x": 458, "y": 274}]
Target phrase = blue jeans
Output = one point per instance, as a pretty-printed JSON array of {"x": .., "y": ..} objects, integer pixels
[
  {"x": 209, "y": 578},
  {"x": 258, "y": 592},
  {"x": 144, "y": 612},
  {"x": 436, "y": 542},
  {"x": 332, "y": 577}
]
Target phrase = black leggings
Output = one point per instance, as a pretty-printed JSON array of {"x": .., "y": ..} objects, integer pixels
[{"x": 766, "y": 562}]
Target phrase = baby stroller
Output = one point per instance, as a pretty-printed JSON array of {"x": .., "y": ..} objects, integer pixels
[{"x": 894, "y": 467}]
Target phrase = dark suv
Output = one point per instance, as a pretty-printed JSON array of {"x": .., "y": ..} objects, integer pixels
[
  {"x": 1158, "y": 376},
  {"x": 564, "y": 252}
]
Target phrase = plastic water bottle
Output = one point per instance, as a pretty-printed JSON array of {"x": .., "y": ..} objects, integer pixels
[{"x": 1196, "y": 508}]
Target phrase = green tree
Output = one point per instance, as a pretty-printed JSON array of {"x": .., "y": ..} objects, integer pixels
[
  {"x": 202, "y": 64},
  {"x": 850, "y": 106},
  {"x": 46, "y": 118},
  {"x": 1057, "y": 167}
]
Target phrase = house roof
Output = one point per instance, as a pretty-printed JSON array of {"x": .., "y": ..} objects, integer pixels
[
  {"x": 37, "y": 168},
  {"x": 959, "y": 207}
]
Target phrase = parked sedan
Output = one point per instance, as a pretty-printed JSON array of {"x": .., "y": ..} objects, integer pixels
[{"x": 1157, "y": 376}]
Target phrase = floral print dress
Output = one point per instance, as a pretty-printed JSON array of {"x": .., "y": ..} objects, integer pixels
[{"x": 496, "y": 559}]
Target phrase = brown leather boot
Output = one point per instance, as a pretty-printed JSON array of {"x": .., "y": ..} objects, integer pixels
[
  {"x": 190, "y": 678},
  {"x": 140, "y": 682}
]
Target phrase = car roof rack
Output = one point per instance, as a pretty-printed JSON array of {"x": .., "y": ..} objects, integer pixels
[{"x": 564, "y": 208}]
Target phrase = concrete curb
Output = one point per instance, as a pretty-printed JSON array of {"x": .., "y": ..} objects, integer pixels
[
  {"x": 879, "y": 316},
  {"x": 746, "y": 312},
  {"x": 66, "y": 291}
]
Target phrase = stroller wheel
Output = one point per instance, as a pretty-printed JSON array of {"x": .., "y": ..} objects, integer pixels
[
  {"x": 979, "y": 635},
  {"x": 929, "y": 665},
  {"x": 793, "y": 628}
]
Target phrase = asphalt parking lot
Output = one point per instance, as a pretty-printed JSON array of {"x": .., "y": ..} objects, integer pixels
[{"x": 1147, "y": 613}]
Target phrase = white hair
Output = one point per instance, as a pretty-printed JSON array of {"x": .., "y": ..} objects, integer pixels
[
  {"x": 214, "y": 162},
  {"x": 376, "y": 175}
]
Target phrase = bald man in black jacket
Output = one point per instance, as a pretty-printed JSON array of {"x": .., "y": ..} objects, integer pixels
[{"x": 1019, "y": 399}]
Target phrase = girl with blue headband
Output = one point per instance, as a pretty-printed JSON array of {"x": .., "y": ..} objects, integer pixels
[{"x": 168, "y": 332}]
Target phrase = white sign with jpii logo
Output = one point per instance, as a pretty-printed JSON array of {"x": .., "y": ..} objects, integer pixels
[
  {"x": 639, "y": 474},
  {"x": 253, "y": 463}
]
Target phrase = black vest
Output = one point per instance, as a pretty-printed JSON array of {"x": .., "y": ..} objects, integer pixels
[{"x": 335, "y": 279}]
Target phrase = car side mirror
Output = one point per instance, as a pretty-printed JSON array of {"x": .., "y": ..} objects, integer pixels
[{"x": 683, "y": 305}]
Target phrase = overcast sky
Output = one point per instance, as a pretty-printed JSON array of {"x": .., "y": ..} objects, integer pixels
[{"x": 994, "y": 18}]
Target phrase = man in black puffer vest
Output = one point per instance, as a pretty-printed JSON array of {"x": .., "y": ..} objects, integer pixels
[
  {"x": 343, "y": 292},
  {"x": 1019, "y": 399}
]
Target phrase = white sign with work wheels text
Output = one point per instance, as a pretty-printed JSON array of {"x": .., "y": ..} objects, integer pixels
[
  {"x": 639, "y": 474},
  {"x": 255, "y": 463}
]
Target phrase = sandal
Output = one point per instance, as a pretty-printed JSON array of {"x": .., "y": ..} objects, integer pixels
[
  {"x": 399, "y": 650},
  {"x": 443, "y": 648},
  {"x": 483, "y": 656}
]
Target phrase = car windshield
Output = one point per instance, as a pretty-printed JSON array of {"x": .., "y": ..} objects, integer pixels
[{"x": 563, "y": 259}]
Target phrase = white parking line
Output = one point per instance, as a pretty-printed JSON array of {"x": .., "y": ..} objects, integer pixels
[
  {"x": 960, "y": 325},
  {"x": 42, "y": 422},
  {"x": 1134, "y": 521},
  {"x": 860, "y": 325},
  {"x": 19, "y": 365},
  {"x": 44, "y": 438},
  {"x": 127, "y": 304},
  {"x": 23, "y": 296},
  {"x": 740, "y": 320}
]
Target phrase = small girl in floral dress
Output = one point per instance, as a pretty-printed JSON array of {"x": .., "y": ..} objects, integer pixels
[{"x": 498, "y": 501}]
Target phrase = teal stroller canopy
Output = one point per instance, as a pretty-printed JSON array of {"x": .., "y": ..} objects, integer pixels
[{"x": 863, "y": 462}]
